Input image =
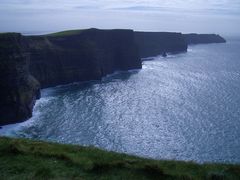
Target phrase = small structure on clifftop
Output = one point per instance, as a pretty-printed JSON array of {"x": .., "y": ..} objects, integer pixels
[{"x": 164, "y": 54}]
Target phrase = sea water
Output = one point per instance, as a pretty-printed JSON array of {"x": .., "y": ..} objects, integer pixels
[{"x": 183, "y": 107}]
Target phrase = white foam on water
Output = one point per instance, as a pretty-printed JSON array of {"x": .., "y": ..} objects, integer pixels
[{"x": 12, "y": 129}]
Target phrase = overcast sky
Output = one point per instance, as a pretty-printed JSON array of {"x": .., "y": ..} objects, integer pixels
[{"x": 201, "y": 16}]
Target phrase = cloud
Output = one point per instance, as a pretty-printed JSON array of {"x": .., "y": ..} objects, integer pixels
[{"x": 153, "y": 15}]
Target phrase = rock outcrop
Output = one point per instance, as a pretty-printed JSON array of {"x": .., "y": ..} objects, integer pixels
[
  {"x": 156, "y": 43},
  {"x": 18, "y": 89},
  {"x": 203, "y": 38}
]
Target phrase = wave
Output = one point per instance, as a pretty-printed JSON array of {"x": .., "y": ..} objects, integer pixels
[{"x": 12, "y": 129}]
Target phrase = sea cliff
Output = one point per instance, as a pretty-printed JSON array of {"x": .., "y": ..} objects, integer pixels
[
  {"x": 203, "y": 38},
  {"x": 156, "y": 43},
  {"x": 28, "y": 63},
  {"x": 81, "y": 55}
]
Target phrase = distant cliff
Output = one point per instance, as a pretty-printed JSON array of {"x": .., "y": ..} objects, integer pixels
[
  {"x": 18, "y": 89},
  {"x": 203, "y": 38},
  {"x": 156, "y": 43}
]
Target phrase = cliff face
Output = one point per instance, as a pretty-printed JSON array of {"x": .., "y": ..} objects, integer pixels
[
  {"x": 81, "y": 55},
  {"x": 156, "y": 43},
  {"x": 18, "y": 89},
  {"x": 203, "y": 38}
]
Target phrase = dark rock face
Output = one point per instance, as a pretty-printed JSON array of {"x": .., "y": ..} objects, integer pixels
[
  {"x": 85, "y": 55},
  {"x": 156, "y": 43},
  {"x": 18, "y": 89},
  {"x": 203, "y": 38}
]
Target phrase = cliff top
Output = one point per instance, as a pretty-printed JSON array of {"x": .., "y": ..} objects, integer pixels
[
  {"x": 79, "y": 31},
  {"x": 9, "y": 34},
  {"x": 65, "y": 33}
]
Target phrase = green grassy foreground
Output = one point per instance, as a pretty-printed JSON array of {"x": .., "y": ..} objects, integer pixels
[{"x": 27, "y": 159}]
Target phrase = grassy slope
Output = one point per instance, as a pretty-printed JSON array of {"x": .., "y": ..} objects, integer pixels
[
  {"x": 64, "y": 33},
  {"x": 26, "y": 159}
]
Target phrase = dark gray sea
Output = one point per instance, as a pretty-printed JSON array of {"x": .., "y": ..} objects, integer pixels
[{"x": 183, "y": 107}]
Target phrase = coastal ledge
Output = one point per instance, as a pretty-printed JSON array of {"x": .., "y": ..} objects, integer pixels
[{"x": 28, "y": 159}]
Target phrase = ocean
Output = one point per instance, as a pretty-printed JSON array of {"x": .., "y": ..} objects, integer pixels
[{"x": 182, "y": 107}]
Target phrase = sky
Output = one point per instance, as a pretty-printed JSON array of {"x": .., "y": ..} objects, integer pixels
[{"x": 200, "y": 16}]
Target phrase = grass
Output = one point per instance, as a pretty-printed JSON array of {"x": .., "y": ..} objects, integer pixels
[
  {"x": 7, "y": 33},
  {"x": 64, "y": 33},
  {"x": 27, "y": 159}
]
